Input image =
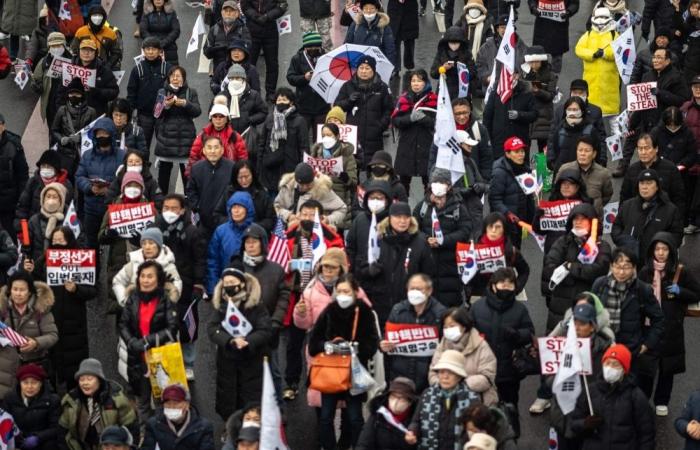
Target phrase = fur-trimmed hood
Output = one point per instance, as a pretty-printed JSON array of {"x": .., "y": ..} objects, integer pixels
[
  {"x": 252, "y": 288},
  {"x": 383, "y": 227},
  {"x": 171, "y": 291},
  {"x": 322, "y": 184},
  {"x": 381, "y": 23},
  {"x": 149, "y": 8},
  {"x": 41, "y": 302}
]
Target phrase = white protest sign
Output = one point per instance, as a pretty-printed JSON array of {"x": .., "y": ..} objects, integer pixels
[
  {"x": 348, "y": 133},
  {"x": 76, "y": 265},
  {"x": 609, "y": 216},
  {"x": 56, "y": 67},
  {"x": 87, "y": 76},
  {"x": 614, "y": 144},
  {"x": 330, "y": 166},
  {"x": 552, "y": 349},
  {"x": 639, "y": 96}
]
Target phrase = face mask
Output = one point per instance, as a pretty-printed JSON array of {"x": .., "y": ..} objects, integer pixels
[
  {"x": 438, "y": 189},
  {"x": 231, "y": 291},
  {"x": 398, "y": 405},
  {"x": 249, "y": 423},
  {"x": 228, "y": 21},
  {"x": 173, "y": 87},
  {"x": 558, "y": 276},
  {"x": 474, "y": 13},
  {"x": 369, "y": 17},
  {"x": 172, "y": 413},
  {"x": 170, "y": 217},
  {"x": 612, "y": 374},
  {"x": 103, "y": 141},
  {"x": 51, "y": 205},
  {"x": 75, "y": 101},
  {"x": 236, "y": 85},
  {"x": 454, "y": 46},
  {"x": 328, "y": 141},
  {"x": 344, "y": 301},
  {"x": 96, "y": 19},
  {"x": 47, "y": 173},
  {"x": 505, "y": 294},
  {"x": 452, "y": 333},
  {"x": 282, "y": 107},
  {"x": 136, "y": 169},
  {"x": 132, "y": 192},
  {"x": 379, "y": 171},
  {"x": 416, "y": 297},
  {"x": 56, "y": 51},
  {"x": 579, "y": 232},
  {"x": 307, "y": 225},
  {"x": 574, "y": 114},
  {"x": 376, "y": 205}
]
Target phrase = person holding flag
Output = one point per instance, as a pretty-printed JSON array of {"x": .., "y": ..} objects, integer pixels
[
  {"x": 453, "y": 54},
  {"x": 241, "y": 330}
]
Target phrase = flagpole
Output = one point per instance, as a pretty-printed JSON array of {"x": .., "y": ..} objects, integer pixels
[{"x": 588, "y": 394}]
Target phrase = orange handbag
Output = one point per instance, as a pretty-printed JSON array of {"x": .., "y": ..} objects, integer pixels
[{"x": 331, "y": 374}]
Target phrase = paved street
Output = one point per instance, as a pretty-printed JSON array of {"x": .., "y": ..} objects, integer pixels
[{"x": 19, "y": 107}]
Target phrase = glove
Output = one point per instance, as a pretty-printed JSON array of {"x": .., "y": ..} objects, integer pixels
[
  {"x": 262, "y": 19},
  {"x": 344, "y": 177},
  {"x": 480, "y": 188},
  {"x": 512, "y": 218},
  {"x": 111, "y": 233},
  {"x": 65, "y": 140},
  {"x": 30, "y": 442},
  {"x": 598, "y": 53},
  {"x": 512, "y": 114},
  {"x": 354, "y": 97},
  {"x": 654, "y": 91},
  {"x": 511, "y": 334},
  {"x": 136, "y": 345},
  {"x": 417, "y": 115},
  {"x": 673, "y": 289},
  {"x": 590, "y": 423}
]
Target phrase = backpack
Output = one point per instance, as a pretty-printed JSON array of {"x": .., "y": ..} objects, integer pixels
[{"x": 141, "y": 73}]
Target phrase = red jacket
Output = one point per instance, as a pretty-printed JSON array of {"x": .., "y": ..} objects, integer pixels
[
  {"x": 234, "y": 145},
  {"x": 5, "y": 63}
]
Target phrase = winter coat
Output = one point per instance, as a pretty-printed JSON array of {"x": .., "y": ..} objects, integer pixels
[
  {"x": 598, "y": 181},
  {"x": 187, "y": 247},
  {"x": 378, "y": 34},
  {"x": 456, "y": 226},
  {"x": 476, "y": 29},
  {"x": 345, "y": 190},
  {"x": 273, "y": 164},
  {"x": 106, "y": 88},
  {"x": 566, "y": 250},
  {"x": 151, "y": 190},
  {"x": 479, "y": 364},
  {"x": 628, "y": 421},
  {"x": 594, "y": 115},
  {"x": 403, "y": 21},
  {"x": 600, "y": 73},
  {"x": 691, "y": 112},
  {"x": 415, "y": 138},
  {"x": 660, "y": 13},
  {"x": 197, "y": 435},
  {"x": 672, "y": 350},
  {"x": 500, "y": 127},
  {"x": 463, "y": 55},
  {"x": 486, "y": 58},
  {"x": 514, "y": 259},
  {"x": 29, "y": 201},
  {"x": 678, "y": 147},
  {"x": 691, "y": 62},
  {"x": 289, "y": 200},
  {"x": 125, "y": 281},
  {"x": 216, "y": 45},
  {"x": 314, "y": 9},
  {"x": 506, "y": 195},
  {"x": 563, "y": 140},
  {"x": 14, "y": 171},
  {"x": 68, "y": 122},
  {"x": 317, "y": 298},
  {"x": 175, "y": 129},
  {"x": 37, "y": 47},
  {"x": 261, "y": 15},
  {"x": 544, "y": 96},
  {"x": 227, "y": 240},
  {"x": 163, "y": 25},
  {"x": 253, "y": 111},
  {"x": 115, "y": 409},
  {"x": 491, "y": 317},
  {"x": 206, "y": 185},
  {"x": 234, "y": 145},
  {"x": 602, "y": 323},
  {"x": 691, "y": 411},
  {"x": 110, "y": 47},
  {"x": 274, "y": 290},
  {"x": 218, "y": 83},
  {"x": 551, "y": 34},
  {"x": 415, "y": 368},
  {"x": 38, "y": 417},
  {"x": 397, "y": 191},
  {"x": 19, "y": 17},
  {"x": 642, "y": 63},
  {"x": 37, "y": 323},
  {"x": 481, "y": 155},
  {"x": 45, "y": 86},
  {"x": 145, "y": 80},
  {"x": 377, "y": 433},
  {"x": 239, "y": 373},
  {"x": 358, "y": 235},
  {"x": 671, "y": 90},
  {"x": 162, "y": 330},
  {"x": 265, "y": 214},
  {"x": 309, "y": 102},
  {"x": 133, "y": 137}
]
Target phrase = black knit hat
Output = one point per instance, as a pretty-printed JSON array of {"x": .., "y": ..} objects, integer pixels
[
  {"x": 399, "y": 209},
  {"x": 303, "y": 173},
  {"x": 50, "y": 158},
  {"x": 369, "y": 60},
  {"x": 381, "y": 157},
  {"x": 579, "y": 84},
  {"x": 648, "y": 175},
  {"x": 75, "y": 85}
]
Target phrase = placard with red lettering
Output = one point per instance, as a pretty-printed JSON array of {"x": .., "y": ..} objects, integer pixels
[
  {"x": 87, "y": 76},
  {"x": 348, "y": 133},
  {"x": 330, "y": 166},
  {"x": 552, "y": 350},
  {"x": 488, "y": 258},
  {"x": 412, "y": 339},
  {"x": 639, "y": 96},
  {"x": 128, "y": 219},
  {"x": 551, "y": 9},
  {"x": 556, "y": 214},
  {"x": 76, "y": 265}
]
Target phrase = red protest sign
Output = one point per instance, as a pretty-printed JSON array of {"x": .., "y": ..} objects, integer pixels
[
  {"x": 130, "y": 218},
  {"x": 76, "y": 265},
  {"x": 411, "y": 339},
  {"x": 556, "y": 214}
]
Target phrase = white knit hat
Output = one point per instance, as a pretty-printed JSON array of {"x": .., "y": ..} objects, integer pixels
[{"x": 219, "y": 109}]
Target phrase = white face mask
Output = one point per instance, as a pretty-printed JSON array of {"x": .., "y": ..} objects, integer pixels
[
  {"x": 612, "y": 374},
  {"x": 136, "y": 169},
  {"x": 454, "y": 46},
  {"x": 132, "y": 192},
  {"x": 248, "y": 423},
  {"x": 369, "y": 17},
  {"x": 344, "y": 301},
  {"x": 398, "y": 405},
  {"x": 236, "y": 85},
  {"x": 376, "y": 205},
  {"x": 172, "y": 413},
  {"x": 47, "y": 173},
  {"x": 453, "y": 334},
  {"x": 416, "y": 297},
  {"x": 170, "y": 217},
  {"x": 574, "y": 114},
  {"x": 96, "y": 19},
  {"x": 56, "y": 51},
  {"x": 558, "y": 276},
  {"x": 579, "y": 232},
  {"x": 474, "y": 13},
  {"x": 438, "y": 189},
  {"x": 328, "y": 142}
]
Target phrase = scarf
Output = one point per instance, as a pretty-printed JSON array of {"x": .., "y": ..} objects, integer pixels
[
  {"x": 279, "y": 127},
  {"x": 617, "y": 7},
  {"x": 307, "y": 252},
  {"x": 179, "y": 429},
  {"x": 656, "y": 282},
  {"x": 432, "y": 418},
  {"x": 176, "y": 229},
  {"x": 53, "y": 219},
  {"x": 475, "y": 29},
  {"x": 406, "y": 104},
  {"x": 616, "y": 294},
  {"x": 93, "y": 409},
  {"x": 234, "y": 109}
]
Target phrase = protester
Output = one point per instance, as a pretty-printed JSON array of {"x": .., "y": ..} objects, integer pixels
[
  {"x": 129, "y": 134},
  {"x": 69, "y": 120},
  {"x": 563, "y": 139},
  {"x": 551, "y": 29},
  {"x": 225, "y": 73},
  {"x": 492, "y": 421},
  {"x": 687, "y": 422},
  {"x": 371, "y": 27},
  {"x": 107, "y": 39},
  {"x": 453, "y": 52},
  {"x": 243, "y": 179},
  {"x": 543, "y": 81},
  {"x": 380, "y": 168},
  {"x": 13, "y": 175},
  {"x": 160, "y": 21},
  {"x": 247, "y": 108},
  {"x": 595, "y": 177},
  {"x": 136, "y": 162},
  {"x": 377, "y": 200},
  {"x": 116, "y": 437},
  {"x": 43, "y": 84},
  {"x": 247, "y": 417},
  {"x": 231, "y": 26},
  {"x": 49, "y": 217}
]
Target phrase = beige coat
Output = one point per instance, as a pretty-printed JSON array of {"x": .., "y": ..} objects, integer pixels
[{"x": 333, "y": 206}]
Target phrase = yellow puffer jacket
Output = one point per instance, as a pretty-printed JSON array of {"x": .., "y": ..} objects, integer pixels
[{"x": 600, "y": 73}]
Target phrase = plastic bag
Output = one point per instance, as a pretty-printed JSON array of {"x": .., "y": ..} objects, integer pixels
[{"x": 362, "y": 380}]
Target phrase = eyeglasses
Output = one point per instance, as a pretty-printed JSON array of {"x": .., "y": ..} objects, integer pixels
[{"x": 624, "y": 267}]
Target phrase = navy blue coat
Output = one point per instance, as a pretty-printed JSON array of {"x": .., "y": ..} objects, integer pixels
[
  {"x": 691, "y": 411},
  {"x": 506, "y": 195},
  {"x": 199, "y": 434},
  {"x": 377, "y": 34}
]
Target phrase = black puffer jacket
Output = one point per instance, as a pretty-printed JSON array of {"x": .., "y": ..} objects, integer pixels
[
  {"x": 415, "y": 138},
  {"x": 309, "y": 103},
  {"x": 370, "y": 113},
  {"x": 145, "y": 79},
  {"x": 562, "y": 142},
  {"x": 403, "y": 19},
  {"x": 659, "y": 12},
  {"x": 566, "y": 250},
  {"x": 272, "y": 164},
  {"x": 358, "y": 235},
  {"x": 314, "y": 9},
  {"x": 463, "y": 55},
  {"x": 377, "y": 433},
  {"x": 505, "y": 194},
  {"x": 491, "y": 317},
  {"x": 261, "y": 15},
  {"x": 175, "y": 128},
  {"x": 500, "y": 127},
  {"x": 544, "y": 96},
  {"x": 670, "y": 181},
  {"x": 456, "y": 226},
  {"x": 672, "y": 351},
  {"x": 163, "y": 25},
  {"x": 216, "y": 46},
  {"x": 38, "y": 417},
  {"x": 68, "y": 121},
  {"x": 471, "y": 187},
  {"x": 677, "y": 146}
]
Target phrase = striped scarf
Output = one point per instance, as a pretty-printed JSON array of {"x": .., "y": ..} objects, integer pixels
[
  {"x": 617, "y": 291},
  {"x": 279, "y": 127},
  {"x": 307, "y": 252}
]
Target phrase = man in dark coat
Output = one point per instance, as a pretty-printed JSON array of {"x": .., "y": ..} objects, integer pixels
[
  {"x": 403, "y": 15},
  {"x": 238, "y": 53},
  {"x": 512, "y": 119},
  {"x": 366, "y": 100},
  {"x": 643, "y": 61},
  {"x": 14, "y": 173},
  {"x": 552, "y": 27},
  {"x": 481, "y": 151},
  {"x": 231, "y": 26}
]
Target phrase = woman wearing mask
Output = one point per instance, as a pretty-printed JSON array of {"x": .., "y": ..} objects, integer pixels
[
  {"x": 224, "y": 72},
  {"x": 241, "y": 348},
  {"x": 134, "y": 162},
  {"x": 377, "y": 199},
  {"x": 453, "y": 48},
  {"x": 416, "y": 126},
  {"x": 175, "y": 129},
  {"x": 506, "y": 325},
  {"x": 543, "y": 81},
  {"x": 25, "y": 306},
  {"x": 492, "y": 421},
  {"x": 243, "y": 179},
  {"x": 346, "y": 320},
  {"x": 44, "y": 85},
  {"x": 248, "y": 416},
  {"x": 380, "y": 168},
  {"x": 459, "y": 333},
  {"x": 344, "y": 183},
  {"x": 149, "y": 319},
  {"x": 562, "y": 143},
  {"x": 252, "y": 109},
  {"x": 160, "y": 21},
  {"x": 49, "y": 217},
  {"x": 396, "y": 405},
  {"x": 674, "y": 287}
]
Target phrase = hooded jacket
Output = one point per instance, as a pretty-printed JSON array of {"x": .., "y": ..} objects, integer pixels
[
  {"x": 29, "y": 200},
  {"x": 216, "y": 45},
  {"x": 377, "y": 433},
  {"x": 162, "y": 25},
  {"x": 600, "y": 73},
  {"x": 378, "y": 33},
  {"x": 345, "y": 190},
  {"x": 506, "y": 195},
  {"x": 128, "y": 275},
  {"x": 289, "y": 200},
  {"x": 462, "y": 55},
  {"x": 175, "y": 129},
  {"x": 108, "y": 39},
  {"x": 358, "y": 236},
  {"x": 563, "y": 140},
  {"x": 105, "y": 90}
]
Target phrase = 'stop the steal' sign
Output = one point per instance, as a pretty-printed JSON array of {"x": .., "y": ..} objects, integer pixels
[
  {"x": 348, "y": 133},
  {"x": 639, "y": 96},
  {"x": 556, "y": 213},
  {"x": 87, "y": 76},
  {"x": 76, "y": 265},
  {"x": 129, "y": 219},
  {"x": 552, "y": 351},
  {"x": 330, "y": 166}
]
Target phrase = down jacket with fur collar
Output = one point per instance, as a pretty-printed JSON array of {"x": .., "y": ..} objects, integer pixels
[
  {"x": 126, "y": 277},
  {"x": 289, "y": 201},
  {"x": 378, "y": 33}
]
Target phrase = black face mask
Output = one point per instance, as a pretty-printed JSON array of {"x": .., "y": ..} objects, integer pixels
[
  {"x": 104, "y": 141},
  {"x": 59, "y": 246},
  {"x": 505, "y": 294},
  {"x": 314, "y": 52},
  {"x": 233, "y": 290},
  {"x": 379, "y": 171},
  {"x": 75, "y": 101},
  {"x": 307, "y": 225},
  {"x": 282, "y": 107}
]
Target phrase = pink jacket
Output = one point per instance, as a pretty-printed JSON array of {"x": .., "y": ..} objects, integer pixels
[{"x": 317, "y": 298}]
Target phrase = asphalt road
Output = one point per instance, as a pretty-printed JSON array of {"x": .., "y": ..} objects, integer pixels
[{"x": 19, "y": 106}]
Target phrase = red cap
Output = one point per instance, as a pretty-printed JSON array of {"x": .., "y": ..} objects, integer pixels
[
  {"x": 621, "y": 354},
  {"x": 31, "y": 371},
  {"x": 175, "y": 393},
  {"x": 513, "y": 143}
]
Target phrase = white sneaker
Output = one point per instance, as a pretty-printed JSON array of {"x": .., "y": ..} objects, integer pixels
[
  {"x": 691, "y": 229},
  {"x": 540, "y": 405},
  {"x": 189, "y": 373},
  {"x": 26, "y": 37},
  {"x": 4, "y": 35},
  {"x": 662, "y": 410}
]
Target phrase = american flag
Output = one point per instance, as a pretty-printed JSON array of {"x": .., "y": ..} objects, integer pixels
[
  {"x": 277, "y": 250},
  {"x": 505, "y": 85},
  {"x": 506, "y": 55},
  {"x": 16, "y": 339},
  {"x": 190, "y": 321}
]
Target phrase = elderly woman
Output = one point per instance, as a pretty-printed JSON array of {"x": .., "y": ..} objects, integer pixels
[{"x": 50, "y": 216}]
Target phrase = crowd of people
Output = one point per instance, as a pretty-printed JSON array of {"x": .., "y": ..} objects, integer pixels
[{"x": 269, "y": 244}]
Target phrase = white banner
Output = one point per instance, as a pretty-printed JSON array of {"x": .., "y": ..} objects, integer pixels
[
  {"x": 614, "y": 144},
  {"x": 76, "y": 265},
  {"x": 330, "y": 166},
  {"x": 639, "y": 96},
  {"x": 87, "y": 76},
  {"x": 609, "y": 216},
  {"x": 56, "y": 67}
]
